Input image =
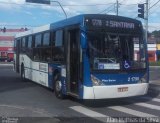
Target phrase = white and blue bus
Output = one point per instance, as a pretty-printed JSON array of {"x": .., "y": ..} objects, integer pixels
[{"x": 87, "y": 56}]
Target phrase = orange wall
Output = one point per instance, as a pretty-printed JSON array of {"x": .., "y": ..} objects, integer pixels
[{"x": 151, "y": 56}]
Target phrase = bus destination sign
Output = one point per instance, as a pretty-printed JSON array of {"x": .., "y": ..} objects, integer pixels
[{"x": 111, "y": 24}]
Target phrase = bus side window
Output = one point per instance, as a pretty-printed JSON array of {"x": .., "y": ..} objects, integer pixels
[
  {"x": 53, "y": 38},
  {"x": 37, "y": 47},
  {"x": 46, "y": 39},
  {"x": 29, "y": 46},
  {"x": 59, "y": 38},
  {"x": 30, "y": 42},
  {"x": 58, "y": 49},
  {"x": 46, "y": 49},
  {"x": 38, "y": 40},
  {"x": 23, "y": 44}
]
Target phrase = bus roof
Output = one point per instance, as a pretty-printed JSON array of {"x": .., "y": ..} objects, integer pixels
[
  {"x": 34, "y": 30},
  {"x": 70, "y": 21},
  {"x": 73, "y": 21},
  {"x": 79, "y": 19}
]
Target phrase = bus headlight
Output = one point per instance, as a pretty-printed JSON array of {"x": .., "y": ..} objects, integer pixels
[
  {"x": 96, "y": 81},
  {"x": 143, "y": 79}
]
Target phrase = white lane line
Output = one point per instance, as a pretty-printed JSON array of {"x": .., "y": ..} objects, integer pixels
[
  {"x": 152, "y": 99},
  {"x": 148, "y": 106},
  {"x": 92, "y": 114},
  {"x": 131, "y": 111}
]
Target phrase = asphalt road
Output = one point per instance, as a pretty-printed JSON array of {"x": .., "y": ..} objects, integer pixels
[{"x": 27, "y": 102}]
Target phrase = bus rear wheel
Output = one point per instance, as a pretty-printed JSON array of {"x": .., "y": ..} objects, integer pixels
[{"x": 58, "y": 87}]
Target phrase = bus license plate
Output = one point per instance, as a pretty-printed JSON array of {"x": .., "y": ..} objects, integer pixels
[{"x": 123, "y": 89}]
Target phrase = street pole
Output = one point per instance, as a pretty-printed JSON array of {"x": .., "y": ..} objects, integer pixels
[
  {"x": 146, "y": 18},
  {"x": 61, "y": 8},
  {"x": 47, "y": 2},
  {"x": 117, "y": 5}
]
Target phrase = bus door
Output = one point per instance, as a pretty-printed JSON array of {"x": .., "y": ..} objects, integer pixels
[
  {"x": 73, "y": 60},
  {"x": 17, "y": 54}
]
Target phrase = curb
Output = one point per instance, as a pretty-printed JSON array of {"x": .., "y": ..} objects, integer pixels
[{"x": 6, "y": 64}]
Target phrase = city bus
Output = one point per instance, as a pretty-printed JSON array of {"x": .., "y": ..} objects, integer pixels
[{"x": 90, "y": 56}]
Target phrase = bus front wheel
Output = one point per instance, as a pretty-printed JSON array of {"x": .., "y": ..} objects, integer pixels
[{"x": 58, "y": 87}]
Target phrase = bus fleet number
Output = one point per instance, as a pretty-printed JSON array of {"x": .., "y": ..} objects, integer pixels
[{"x": 133, "y": 79}]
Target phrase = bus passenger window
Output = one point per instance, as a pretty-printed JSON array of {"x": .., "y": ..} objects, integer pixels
[
  {"x": 30, "y": 42},
  {"x": 46, "y": 39},
  {"x": 53, "y": 38},
  {"x": 59, "y": 38},
  {"x": 38, "y": 39}
]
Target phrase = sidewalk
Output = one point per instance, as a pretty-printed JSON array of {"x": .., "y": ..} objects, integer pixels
[
  {"x": 6, "y": 63},
  {"x": 154, "y": 66}
]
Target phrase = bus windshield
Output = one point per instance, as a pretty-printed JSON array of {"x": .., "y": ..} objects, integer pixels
[{"x": 109, "y": 51}]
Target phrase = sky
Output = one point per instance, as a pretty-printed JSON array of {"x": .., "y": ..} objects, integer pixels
[{"x": 19, "y": 14}]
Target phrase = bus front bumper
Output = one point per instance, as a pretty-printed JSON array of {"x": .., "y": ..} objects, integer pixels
[{"x": 115, "y": 91}]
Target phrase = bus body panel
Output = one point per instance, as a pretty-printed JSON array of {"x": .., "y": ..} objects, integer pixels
[
  {"x": 121, "y": 78},
  {"x": 109, "y": 92},
  {"x": 53, "y": 70},
  {"x": 35, "y": 71}
]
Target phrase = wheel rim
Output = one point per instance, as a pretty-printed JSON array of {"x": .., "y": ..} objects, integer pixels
[{"x": 58, "y": 86}]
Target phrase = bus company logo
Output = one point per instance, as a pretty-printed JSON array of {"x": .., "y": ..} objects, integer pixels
[{"x": 108, "y": 80}]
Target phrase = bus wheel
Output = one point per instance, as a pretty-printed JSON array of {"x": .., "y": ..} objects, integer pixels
[
  {"x": 23, "y": 78},
  {"x": 58, "y": 87}
]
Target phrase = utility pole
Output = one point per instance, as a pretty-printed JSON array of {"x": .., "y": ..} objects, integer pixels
[
  {"x": 146, "y": 18},
  {"x": 61, "y": 7},
  {"x": 117, "y": 6}
]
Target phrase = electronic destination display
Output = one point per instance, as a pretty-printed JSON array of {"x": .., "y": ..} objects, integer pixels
[{"x": 111, "y": 24}]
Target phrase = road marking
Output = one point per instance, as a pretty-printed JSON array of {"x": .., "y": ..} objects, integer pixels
[
  {"x": 148, "y": 106},
  {"x": 152, "y": 99},
  {"x": 35, "y": 110},
  {"x": 93, "y": 114},
  {"x": 131, "y": 111}
]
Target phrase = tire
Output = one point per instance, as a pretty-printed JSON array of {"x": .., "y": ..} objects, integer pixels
[
  {"x": 58, "y": 87},
  {"x": 23, "y": 78}
]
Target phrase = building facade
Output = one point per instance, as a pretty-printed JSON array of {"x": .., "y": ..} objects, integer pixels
[
  {"x": 152, "y": 49},
  {"x": 7, "y": 43}
]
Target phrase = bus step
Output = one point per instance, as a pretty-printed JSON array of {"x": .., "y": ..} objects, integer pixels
[{"x": 72, "y": 94}]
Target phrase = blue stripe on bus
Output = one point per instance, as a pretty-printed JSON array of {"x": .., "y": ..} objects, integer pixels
[{"x": 119, "y": 79}]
